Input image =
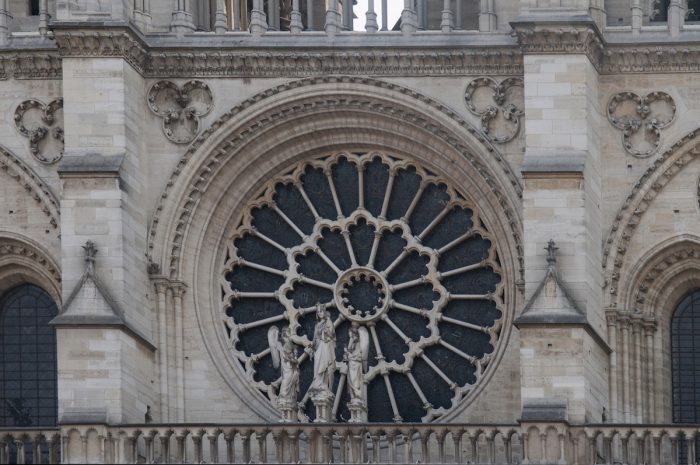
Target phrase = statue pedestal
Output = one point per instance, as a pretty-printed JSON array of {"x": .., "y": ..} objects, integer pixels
[
  {"x": 323, "y": 402},
  {"x": 358, "y": 411},
  {"x": 288, "y": 409}
]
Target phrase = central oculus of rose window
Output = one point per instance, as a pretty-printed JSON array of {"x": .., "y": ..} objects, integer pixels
[{"x": 381, "y": 243}]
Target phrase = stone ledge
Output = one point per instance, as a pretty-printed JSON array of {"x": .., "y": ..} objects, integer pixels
[
  {"x": 551, "y": 163},
  {"x": 91, "y": 164},
  {"x": 100, "y": 321},
  {"x": 536, "y": 410}
]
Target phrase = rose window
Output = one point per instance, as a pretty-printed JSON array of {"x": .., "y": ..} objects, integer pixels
[{"x": 382, "y": 243}]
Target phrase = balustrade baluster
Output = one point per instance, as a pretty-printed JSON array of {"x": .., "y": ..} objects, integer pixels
[
  {"x": 657, "y": 450},
  {"x": 543, "y": 446},
  {"x": 261, "y": 437},
  {"x": 220, "y": 25},
  {"x": 385, "y": 16},
  {"x": 424, "y": 438},
  {"x": 181, "y": 449},
  {"x": 214, "y": 447},
  {"x": 273, "y": 9},
  {"x": 164, "y": 447},
  {"x": 149, "y": 448},
  {"x": 491, "y": 449},
  {"x": 447, "y": 24},
  {"x": 441, "y": 446},
  {"x": 236, "y": 20},
  {"x": 474, "y": 442},
  {"x": 343, "y": 445},
  {"x": 409, "y": 447},
  {"x": 391, "y": 439},
  {"x": 641, "y": 449},
  {"x": 295, "y": 24},
  {"x": 457, "y": 441},
  {"x": 625, "y": 449},
  {"x": 309, "y": 15},
  {"x": 674, "y": 448},
  {"x": 371, "y": 18},
  {"x": 43, "y": 17},
  {"x": 36, "y": 449},
  {"x": 21, "y": 453},
  {"x": 458, "y": 15},
  {"x": 691, "y": 448},
  {"x": 245, "y": 443},
  {"x": 53, "y": 449},
  {"x": 375, "y": 447},
  {"x": 230, "y": 439}
]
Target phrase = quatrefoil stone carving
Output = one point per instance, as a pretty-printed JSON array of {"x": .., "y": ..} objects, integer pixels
[
  {"x": 42, "y": 124},
  {"x": 641, "y": 119},
  {"x": 500, "y": 123},
  {"x": 180, "y": 107}
]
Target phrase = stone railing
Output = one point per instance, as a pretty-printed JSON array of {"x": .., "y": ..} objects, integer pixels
[{"x": 527, "y": 443}]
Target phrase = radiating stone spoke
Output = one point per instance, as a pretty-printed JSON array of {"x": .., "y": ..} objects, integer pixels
[
  {"x": 397, "y": 330},
  {"x": 361, "y": 186},
  {"x": 471, "y": 296},
  {"x": 438, "y": 371},
  {"x": 396, "y": 261},
  {"x": 331, "y": 184},
  {"x": 435, "y": 221},
  {"x": 408, "y": 308},
  {"x": 305, "y": 196},
  {"x": 269, "y": 241},
  {"x": 471, "y": 358},
  {"x": 348, "y": 244},
  {"x": 416, "y": 198},
  {"x": 392, "y": 398},
  {"x": 419, "y": 391},
  {"x": 456, "y": 242},
  {"x": 257, "y": 266},
  {"x": 407, "y": 284},
  {"x": 289, "y": 221},
  {"x": 387, "y": 194},
  {"x": 464, "y": 324},
  {"x": 314, "y": 282},
  {"x": 339, "y": 393},
  {"x": 328, "y": 261},
  {"x": 254, "y": 295},
  {"x": 263, "y": 322},
  {"x": 464, "y": 269}
]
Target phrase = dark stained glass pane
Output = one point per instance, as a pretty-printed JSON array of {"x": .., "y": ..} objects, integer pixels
[{"x": 27, "y": 358}]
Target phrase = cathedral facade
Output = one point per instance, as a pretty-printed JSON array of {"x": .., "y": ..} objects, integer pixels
[{"x": 241, "y": 231}]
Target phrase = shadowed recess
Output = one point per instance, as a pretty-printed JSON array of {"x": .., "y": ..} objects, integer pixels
[
  {"x": 251, "y": 310},
  {"x": 390, "y": 246},
  {"x": 421, "y": 296},
  {"x": 256, "y": 250},
  {"x": 268, "y": 222},
  {"x": 453, "y": 225},
  {"x": 479, "y": 281},
  {"x": 406, "y": 185},
  {"x": 433, "y": 201},
  {"x": 316, "y": 187},
  {"x": 333, "y": 245},
  {"x": 305, "y": 295},
  {"x": 346, "y": 185},
  {"x": 446, "y": 361},
  {"x": 246, "y": 279},
  {"x": 478, "y": 312},
  {"x": 361, "y": 238},
  {"x": 376, "y": 176},
  {"x": 313, "y": 266},
  {"x": 468, "y": 252},
  {"x": 434, "y": 387},
  {"x": 467, "y": 340},
  {"x": 413, "y": 266},
  {"x": 290, "y": 201}
]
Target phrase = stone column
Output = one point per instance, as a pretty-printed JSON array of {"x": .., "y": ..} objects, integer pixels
[
  {"x": 625, "y": 326},
  {"x": 409, "y": 18},
  {"x": 487, "y": 16},
  {"x": 333, "y": 19},
  {"x": 178, "y": 292},
  {"x": 676, "y": 17},
  {"x": 649, "y": 329},
  {"x": 161, "y": 285},
  {"x": 448, "y": 23},
  {"x": 220, "y": 25},
  {"x": 612, "y": 341},
  {"x": 182, "y": 18},
  {"x": 638, "y": 411},
  {"x": 371, "y": 22},
  {"x": 4, "y": 22},
  {"x": 258, "y": 20}
]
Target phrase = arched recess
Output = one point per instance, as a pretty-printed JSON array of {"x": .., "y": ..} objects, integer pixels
[
  {"x": 266, "y": 135},
  {"x": 667, "y": 273}
]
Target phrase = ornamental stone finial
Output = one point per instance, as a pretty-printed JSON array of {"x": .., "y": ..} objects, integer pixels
[{"x": 551, "y": 252}]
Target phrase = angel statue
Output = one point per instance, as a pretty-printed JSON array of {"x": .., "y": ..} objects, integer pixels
[
  {"x": 284, "y": 355},
  {"x": 356, "y": 354},
  {"x": 323, "y": 353}
]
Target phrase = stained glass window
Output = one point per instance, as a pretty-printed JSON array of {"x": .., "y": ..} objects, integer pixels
[
  {"x": 685, "y": 353},
  {"x": 380, "y": 242},
  {"x": 27, "y": 358}
]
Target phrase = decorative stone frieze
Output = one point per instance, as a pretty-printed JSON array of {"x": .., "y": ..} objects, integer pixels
[
  {"x": 555, "y": 38},
  {"x": 641, "y": 119},
  {"x": 501, "y": 94},
  {"x": 32, "y": 184},
  {"x": 180, "y": 108},
  {"x": 30, "y": 64},
  {"x": 42, "y": 124},
  {"x": 14, "y": 250}
]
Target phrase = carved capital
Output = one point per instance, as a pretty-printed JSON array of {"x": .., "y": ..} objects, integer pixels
[{"x": 554, "y": 38}]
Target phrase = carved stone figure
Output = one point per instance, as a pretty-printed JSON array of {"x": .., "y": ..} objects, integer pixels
[
  {"x": 284, "y": 355},
  {"x": 356, "y": 353},
  {"x": 323, "y": 348}
]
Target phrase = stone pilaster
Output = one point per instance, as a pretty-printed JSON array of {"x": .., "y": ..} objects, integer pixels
[{"x": 561, "y": 201}]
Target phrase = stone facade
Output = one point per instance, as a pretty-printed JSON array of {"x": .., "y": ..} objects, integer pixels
[{"x": 149, "y": 127}]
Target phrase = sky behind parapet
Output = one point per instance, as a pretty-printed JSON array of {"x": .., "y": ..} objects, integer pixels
[{"x": 395, "y": 7}]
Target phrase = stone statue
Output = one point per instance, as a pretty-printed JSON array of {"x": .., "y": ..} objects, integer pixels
[
  {"x": 356, "y": 354},
  {"x": 323, "y": 353},
  {"x": 284, "y": 355}
]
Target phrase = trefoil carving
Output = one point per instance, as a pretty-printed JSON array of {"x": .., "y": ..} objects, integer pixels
[
  {"x": 42, "y": 124},
  {"x": 500, "y": 123},
  {"x": 180, "y": 107},
  {"x": 641, "y": 119}
]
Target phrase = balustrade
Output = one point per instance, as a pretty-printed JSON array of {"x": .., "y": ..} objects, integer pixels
[{"x": 527, "y": 443}]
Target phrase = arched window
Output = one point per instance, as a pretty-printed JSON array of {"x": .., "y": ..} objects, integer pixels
[
  {"x": 685, "y": 354},
  {"x": 27, "y": 358}
]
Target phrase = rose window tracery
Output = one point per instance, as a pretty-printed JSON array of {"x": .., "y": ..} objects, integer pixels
[{"x": 383, "y": 243}]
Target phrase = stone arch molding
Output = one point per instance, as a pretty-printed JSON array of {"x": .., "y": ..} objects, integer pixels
[
  {"x": 228, "y": 164},
  {"x": 25, "y": 261},
  {"x": 652, "y": 182},
  {"x": 30, "y": 181}
]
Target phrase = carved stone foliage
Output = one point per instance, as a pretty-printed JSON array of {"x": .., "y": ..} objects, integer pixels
[
  {"x": 381, "y": 244},
  {"x": 641, "y": 119},
  {"x": 30, "y": 64},
  {"x": 42, "y": 124},
  {"x": 180, "y": 108},
  {"x": 481, "y": 95}
]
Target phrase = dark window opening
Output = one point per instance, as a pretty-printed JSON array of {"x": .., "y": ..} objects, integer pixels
[
  {"x": 34, "y": 7},
  {"x": 693, "y": 11},
  {"x": 685, "y": 374},
  {"x": 27, "y": 359},
  {"x": 659, "y": 13}
]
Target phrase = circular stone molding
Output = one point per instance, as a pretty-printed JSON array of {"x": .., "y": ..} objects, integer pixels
[{"x": 380, "y": 242}]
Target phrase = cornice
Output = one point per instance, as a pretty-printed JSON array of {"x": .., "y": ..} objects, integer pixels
[
  {"x": 575, "y": 35},
  {"x": 30, "y": 64}
]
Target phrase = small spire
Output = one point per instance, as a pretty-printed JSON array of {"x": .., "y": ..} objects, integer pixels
[
  {"x": 90, "y": 252},
  {"x": 551, "y": 252}
]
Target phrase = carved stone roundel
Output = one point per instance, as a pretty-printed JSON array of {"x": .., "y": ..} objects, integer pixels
[{"x": 381, "y": 242}]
